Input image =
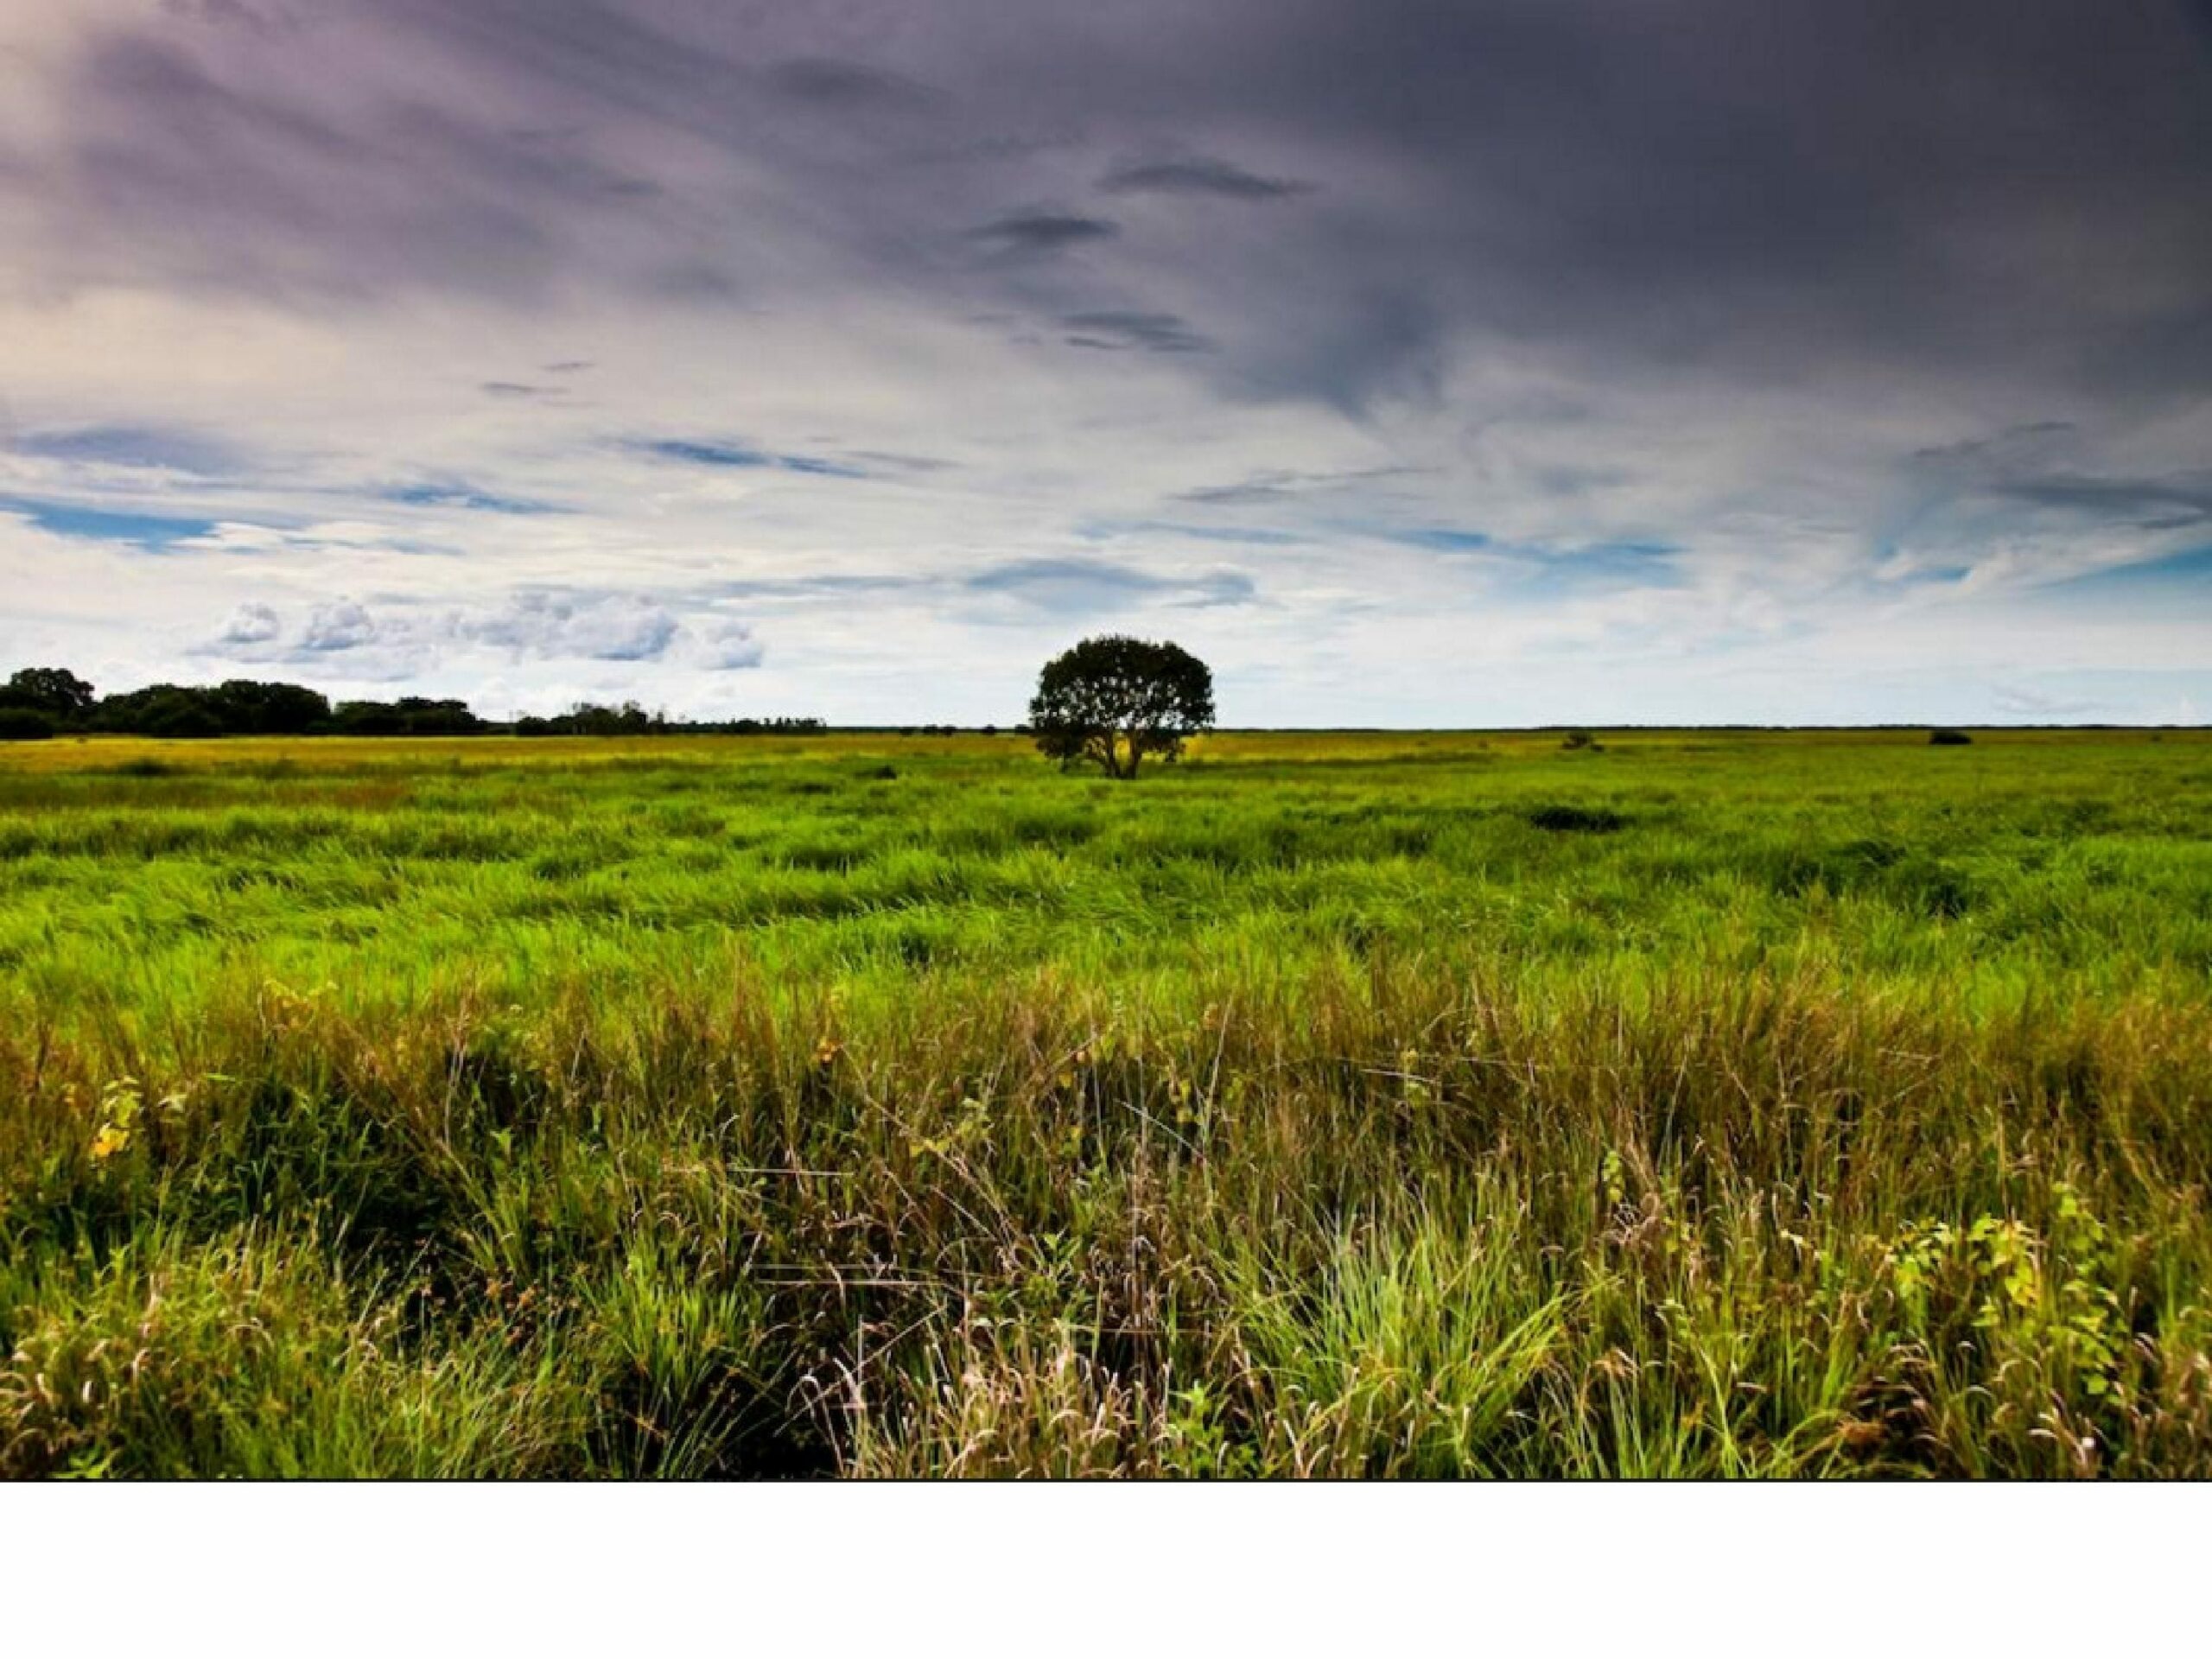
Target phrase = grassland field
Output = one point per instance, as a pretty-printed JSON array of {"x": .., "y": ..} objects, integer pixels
[{"x": 1808, "y": 1103}]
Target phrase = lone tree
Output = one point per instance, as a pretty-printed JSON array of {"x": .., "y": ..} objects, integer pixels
[{"x": 1113, "y": 699}]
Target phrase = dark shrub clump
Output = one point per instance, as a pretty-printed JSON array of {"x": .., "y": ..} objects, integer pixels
[
  {"x": 1590, "y": 820},
  {"x": 1943, "y": 737}
]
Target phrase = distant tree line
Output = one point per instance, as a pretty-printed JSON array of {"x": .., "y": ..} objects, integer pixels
[
  {"x": 632, "y": 719},
  {"x": 37, "y": 703}
]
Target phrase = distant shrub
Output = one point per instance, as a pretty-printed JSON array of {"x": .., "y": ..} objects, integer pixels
[
  {"x": 1869, "y": 852},
  {"x": 145, "y": 766},
  {"x": 1877, "y": 869},
  {"x": 1944, "y": 737},
  {"x": 24, "y": 725},
  {"x": 881, "y": 774},
  {"x": 835, "y": 857},
  {"x": 1576, "y": 738},
  {"x": 1588, "y": 820},
  {"x": 1932, "y": 887}
]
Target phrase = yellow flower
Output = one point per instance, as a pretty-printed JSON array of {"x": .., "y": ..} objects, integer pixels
[{"x": 110, "y": 1140}]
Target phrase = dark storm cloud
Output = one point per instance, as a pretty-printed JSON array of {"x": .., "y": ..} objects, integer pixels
[
  {"x": 2038, "y": 473},
  {"x": 1972, "y": 451},
  {"x": 842, "y": 83},
  {"x": 2158, "y": 503},
  {"x": 1199, "y": 175},
  {"x": 1042, "y": 232},
  {"x": 1142, "y": 331},
  {"x": 1733, "y": 189},
  {"x": 211, "y": 177}
]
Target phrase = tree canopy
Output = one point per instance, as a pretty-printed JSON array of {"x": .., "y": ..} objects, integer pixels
[
  {"x": 55, "y": 692},
  {"x": 1113, "y": 699}
]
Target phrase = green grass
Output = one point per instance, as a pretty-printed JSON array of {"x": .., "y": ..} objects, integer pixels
[{"x": 1388, "y": 1103}]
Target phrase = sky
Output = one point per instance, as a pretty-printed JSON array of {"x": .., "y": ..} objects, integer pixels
[{"x": 1414, "y": 362}]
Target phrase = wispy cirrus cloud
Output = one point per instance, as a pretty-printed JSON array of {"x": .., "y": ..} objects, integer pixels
[
  {"x": 1198, "y": 175},
  {"x": 1139, "y": 331},
  {"x": 1097, "y": 586}
]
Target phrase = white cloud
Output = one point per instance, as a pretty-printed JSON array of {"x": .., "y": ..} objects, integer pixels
[
  {"x": 341, "y": 626},
  {"x": 730, "y": 646},
  {"x": 251, "y": 625},
  {"x": 609, "y": 627}
]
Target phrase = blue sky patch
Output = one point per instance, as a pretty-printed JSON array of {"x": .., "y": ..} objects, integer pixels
[
  {"x": 2189, "y": 569},
  {"x": 1439, "y": 540},
  {"x": 817, "y": 467},
  {"x": 700, "y": 452},
  {"x": 93, "y": 523},
  {"x": 707, "y": 455},
  {"x": 433, "y": 495},
  {"x": 1601, "y": 567}
]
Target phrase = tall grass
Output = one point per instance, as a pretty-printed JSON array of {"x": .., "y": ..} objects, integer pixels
[{"x": 1399, "y": 1105}]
